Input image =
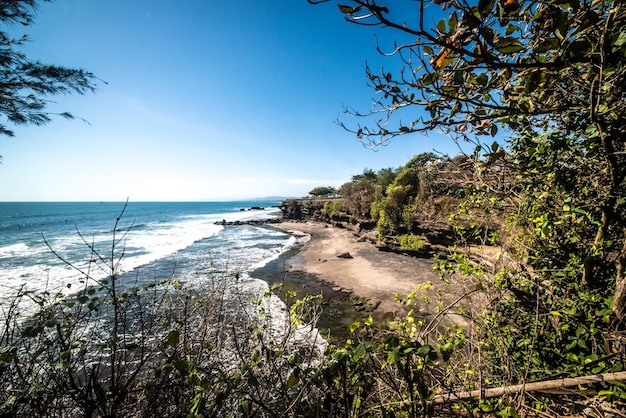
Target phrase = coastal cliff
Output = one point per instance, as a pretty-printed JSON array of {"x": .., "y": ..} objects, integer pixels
[{"x": 433, "y": 235}]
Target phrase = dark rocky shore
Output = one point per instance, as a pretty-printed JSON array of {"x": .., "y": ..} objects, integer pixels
[{"x": 339, "y": 307}]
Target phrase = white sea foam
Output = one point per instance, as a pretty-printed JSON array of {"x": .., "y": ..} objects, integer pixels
[
  {"x": 43, "y": 271},
  {"x": 14, "y": 250},
  {"x": 301, "y": 237},
  {"x": 249, "y": 246},
  {"x": 273, "y": 312},
  {"x": 291, "y": 241}
]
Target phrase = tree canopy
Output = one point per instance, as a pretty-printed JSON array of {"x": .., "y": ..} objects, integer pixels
[
  {"x": 495, "y": 63},
  {"x": 538, "y": 87},
  {"x": 323, "y": 191},
  {"x": 544, "y": 78},
  {"x": 27, "y": 84}
]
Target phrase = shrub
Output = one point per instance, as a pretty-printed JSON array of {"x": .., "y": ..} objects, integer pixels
[
  {"x": 162, "y": 350},
  {"x": 410, "y": 242}
]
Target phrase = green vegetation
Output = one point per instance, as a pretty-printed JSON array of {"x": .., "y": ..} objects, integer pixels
[
  {"x": 552, "y": 75},
  {"x": 323, "y": 191},
  {"x": 546, "y": 81},
  {"x": 329, "y": 210},
  {"x": 162, "y": 350},
  {"x": 410, "y": 242},
  {"x": 528, "y": 231}
]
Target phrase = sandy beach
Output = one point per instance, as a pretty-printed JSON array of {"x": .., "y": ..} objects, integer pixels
[{"x": 368, "y": 273}]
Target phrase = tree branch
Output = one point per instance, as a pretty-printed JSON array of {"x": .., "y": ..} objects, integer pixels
[{"x": 530, "y": 387}]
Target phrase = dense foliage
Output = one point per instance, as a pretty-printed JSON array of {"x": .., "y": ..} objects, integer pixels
[
  {"x": 552, "y": 74},
  {"x": 323, "y": 191},
  {"x": 546, "y": 81}
]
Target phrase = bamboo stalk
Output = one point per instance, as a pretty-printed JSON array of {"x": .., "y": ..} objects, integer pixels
[{"x": 530, "y": 387}]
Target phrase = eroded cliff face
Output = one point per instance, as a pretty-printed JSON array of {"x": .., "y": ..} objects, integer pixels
[
  {"x": 331, "y": 211},
  {"x": 335, "y": 213},
  {"x": 432, "y": 233}
]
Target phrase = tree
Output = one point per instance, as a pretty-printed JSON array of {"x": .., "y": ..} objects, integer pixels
[
  {"x": 323, "y": 191},
  {"x": 552, "y": 74},
  {"x": 358, "y": 194},
  {"x": 394, "y": 208},
  {"x": 26, "y": 84},
  {"x": 386, "y": 176}
]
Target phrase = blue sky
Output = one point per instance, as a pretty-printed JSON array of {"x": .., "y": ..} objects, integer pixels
[{"x": 205, "y": 100}]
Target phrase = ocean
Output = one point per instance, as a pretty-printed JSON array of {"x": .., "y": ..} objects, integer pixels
[
  {"x": 47, "y": 247},
  {"x": 184, "y": 272}
]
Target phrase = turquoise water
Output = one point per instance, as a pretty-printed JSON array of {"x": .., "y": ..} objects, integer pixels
[{"x": 153, "y": 241}]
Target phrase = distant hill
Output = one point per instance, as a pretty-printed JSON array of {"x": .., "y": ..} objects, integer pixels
[{"x": 269, "y": 198}]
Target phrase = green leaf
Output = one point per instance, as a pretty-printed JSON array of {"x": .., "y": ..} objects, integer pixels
[
  {"x": 292, "y": 360},
  {"x": 607, "y": 72},
  {"x": 10, "y": 401},
  {"x": 359, "y": 352},
  {"x": 197, "y": 405},
  {"x": 293, "y": 380},
  {"x": 578, "y": 48},
  {"x": 408, "y": 349},
  {"x": 391, "y": 340},
  {"x": 429, "y": 79},
  {"x": 31, "y": 332},
  {"x": 348, "y": 10},
  {"x": 173, "y": 338},
  {"x": 446, "y": 351},
  {"x": 441, "y": 25},
  {"x": 393, "y": 357},
  {"x": 548, "y": 44},
  {"x": 354, "y": 326},
  {"x": 482, "y": 79},
  {"x": 8, "y": 354},
  {"x": 38, "y": 387},
  {"x": 621, "y": 40},
  {"x": 508, "y": 45},
  {"x": 452, "y": 21},
  {"x": 485, "y": 6},
  {"x": 424, "y": 351},
  {"x": 510, "y": 29},
  {"x": 340, "y": 355}
]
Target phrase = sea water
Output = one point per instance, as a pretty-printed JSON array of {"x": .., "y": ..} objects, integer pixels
[
  {"x": 48, "y": 246},
  {"x": 52, "y": 247}
]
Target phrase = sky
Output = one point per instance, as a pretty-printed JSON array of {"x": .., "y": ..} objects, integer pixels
[{"x": 201, "y": 100}]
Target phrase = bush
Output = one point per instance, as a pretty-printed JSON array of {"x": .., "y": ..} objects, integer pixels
[
  {"x": 410, "y": 242},
  {"x": 161, "y": 350}
]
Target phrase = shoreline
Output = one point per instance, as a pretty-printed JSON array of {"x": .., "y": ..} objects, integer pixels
[{"x": 354, "y": 277}]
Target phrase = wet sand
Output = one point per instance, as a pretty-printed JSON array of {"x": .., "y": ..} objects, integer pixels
[{"x": 354, "y": 277}]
